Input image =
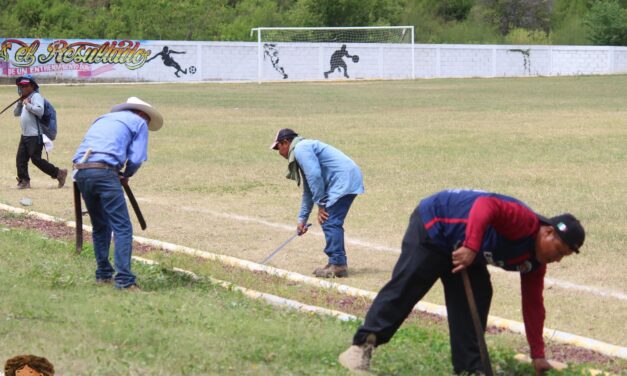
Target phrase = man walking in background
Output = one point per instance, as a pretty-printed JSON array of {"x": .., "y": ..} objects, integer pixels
[
  {"x": 465, "y": 229},
  {"x": 114, "y": 141},
  {"x": 332, "y": 181},
  {"x": 30, "y": 108}
]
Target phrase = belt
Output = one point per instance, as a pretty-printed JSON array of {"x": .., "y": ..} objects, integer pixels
[{"x": 100, "y": 165}]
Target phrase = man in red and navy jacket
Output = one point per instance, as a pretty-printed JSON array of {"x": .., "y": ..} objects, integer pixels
[{"x": 468, "y": 229}]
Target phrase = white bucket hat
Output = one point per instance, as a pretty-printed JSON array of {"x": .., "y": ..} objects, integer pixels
[{"x": 134, "y": 103}]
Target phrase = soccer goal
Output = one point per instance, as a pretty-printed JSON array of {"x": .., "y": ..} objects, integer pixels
[{"x": 335, "y": 53}]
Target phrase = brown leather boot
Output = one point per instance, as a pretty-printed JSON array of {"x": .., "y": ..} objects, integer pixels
[
  {"x": 320, "y": 270},
  {"x": 61, "y": 176},
  {"x": 357, "y": 358},
  {"x": 23, "y": 184},
  {"x": 332, "y": 271}
]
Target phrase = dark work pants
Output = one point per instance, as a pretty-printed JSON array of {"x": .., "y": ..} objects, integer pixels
[
  {"x": 419, "y": 266},
  {"x": 30, "y": 148}
]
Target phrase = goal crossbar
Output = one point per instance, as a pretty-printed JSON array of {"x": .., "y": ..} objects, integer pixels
[{"x": 275, "y": 41}]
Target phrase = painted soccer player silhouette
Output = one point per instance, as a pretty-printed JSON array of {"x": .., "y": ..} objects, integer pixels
[
  {"x": 337, "y": 61},
  {"x": 168, "y": 61},
  {"x": 270, "y": 50}
]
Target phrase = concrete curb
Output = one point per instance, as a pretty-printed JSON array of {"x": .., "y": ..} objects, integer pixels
[
  {"x": 514, "y": 326},
  {"x": 268, "y": 298}
]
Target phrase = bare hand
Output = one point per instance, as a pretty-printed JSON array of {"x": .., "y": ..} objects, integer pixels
[
  {"x": 123, "y": 180},
  {"x": 301, "y": 228},
  {"x": 462, "y": 258},
  {"x": 541, "y": 365},
  {"x": 322, "y": 214},
  {"x": 26, "y": 101}
]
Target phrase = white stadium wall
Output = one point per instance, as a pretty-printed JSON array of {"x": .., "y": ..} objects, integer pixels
[{"x": 178, "y": 61}]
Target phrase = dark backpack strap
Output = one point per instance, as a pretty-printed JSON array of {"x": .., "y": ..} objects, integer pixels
[{"x": 40, "y": 139}]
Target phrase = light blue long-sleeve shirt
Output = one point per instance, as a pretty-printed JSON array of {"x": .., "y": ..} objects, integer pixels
[
  {"x": 115, "y": 139},
  {"x": 329, "y": 175},
  {"x": 30, "y": 113}
]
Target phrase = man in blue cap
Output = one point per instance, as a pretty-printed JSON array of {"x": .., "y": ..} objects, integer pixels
[
  {"x": 332, "y": 181},
  {"x": 30, "y": 109}
]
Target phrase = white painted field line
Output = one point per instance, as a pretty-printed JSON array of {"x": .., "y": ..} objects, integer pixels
[
  {"x": 606, "y": 293},
  {"x": 514, "y": 326},
  {"x": 268, "y": 298},
  {"x": 243, "y": 218}
]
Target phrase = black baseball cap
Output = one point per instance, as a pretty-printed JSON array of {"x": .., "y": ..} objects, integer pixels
[
  {"x": 568, "y": 228},
  {"x": 282, "y": 134}
]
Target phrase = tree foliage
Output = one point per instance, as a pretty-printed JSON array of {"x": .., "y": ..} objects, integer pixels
[
  {"x": 436, "y": 21},
  {"x": 607, "y": 22},
  {"x": 526, "y": 14},
  {"x": 453, "y": 10}
]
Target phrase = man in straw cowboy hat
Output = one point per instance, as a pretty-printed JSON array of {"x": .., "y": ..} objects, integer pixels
[{"x": 114, "y": 141}]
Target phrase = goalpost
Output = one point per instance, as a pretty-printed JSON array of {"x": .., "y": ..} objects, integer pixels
[{"x": 318, "y": 53}]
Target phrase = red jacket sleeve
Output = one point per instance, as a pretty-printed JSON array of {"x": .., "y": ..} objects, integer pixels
[
  {"x": 511, "y": 220},
  {"x": 532, "y": 287}
]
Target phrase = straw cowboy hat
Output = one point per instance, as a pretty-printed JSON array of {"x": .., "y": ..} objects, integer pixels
[{"x": 134, "y": 103}]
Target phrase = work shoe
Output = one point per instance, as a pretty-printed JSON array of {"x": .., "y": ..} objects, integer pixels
[
  {"x": 104, "y": 281},
  {"x": 131, "y": 288},
  {"x": 24, "y": 184},
  {"x": 332, "y": 271},
  {"x": 357, "y": 358},
  {"x": 61, "y": 175},
  {"x": 319, "y": 270}
]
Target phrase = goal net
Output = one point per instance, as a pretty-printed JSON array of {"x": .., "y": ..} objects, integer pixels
[{"x": 335, "y": 53}]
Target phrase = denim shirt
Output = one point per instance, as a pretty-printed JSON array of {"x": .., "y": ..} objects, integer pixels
[
  {"x": 329, "y": 175},
  {"x": 115, "y": 139}
]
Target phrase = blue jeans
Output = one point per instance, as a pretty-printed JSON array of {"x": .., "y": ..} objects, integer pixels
[
  {"x": 333, "y": 229},
  {"x": 102, "y": 191}
]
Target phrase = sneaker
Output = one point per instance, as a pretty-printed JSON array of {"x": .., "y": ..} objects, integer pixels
[
  {"x": 357, "y": 358},
  {"x": 332, "y": 271},
  {"x": 61, "y": 175},
  {"x": 24, "y": 184},
  {"x": 104, "y": 281}
]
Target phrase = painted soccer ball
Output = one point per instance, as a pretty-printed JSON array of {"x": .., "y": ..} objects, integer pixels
[
  {"x": 355, "y": 59},
  {"x": 192, "y": 69}
]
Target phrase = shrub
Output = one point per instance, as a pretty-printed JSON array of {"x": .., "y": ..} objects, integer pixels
[
  {"x": 524, "y": 36},
  {"x": 456, "y": 10},
  {"x": 607, "y": 23}
]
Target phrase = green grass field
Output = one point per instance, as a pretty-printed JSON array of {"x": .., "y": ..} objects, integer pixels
[
  {"x": 211, "y": 182},
  {"x": 177, "y": 326}
]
